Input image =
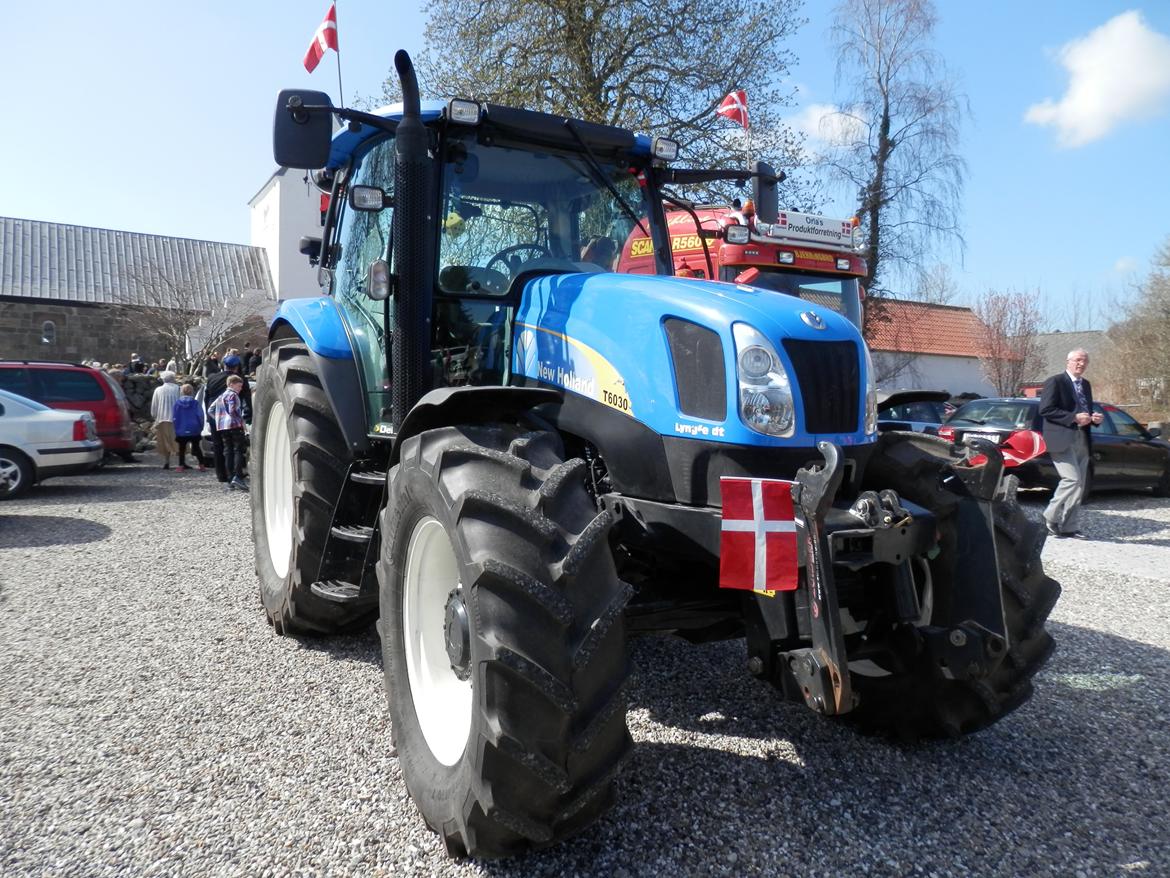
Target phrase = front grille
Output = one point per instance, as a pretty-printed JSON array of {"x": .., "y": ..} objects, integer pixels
[
  {"x": 697, "y": 356},
  {"x": 829, "y": 377}
]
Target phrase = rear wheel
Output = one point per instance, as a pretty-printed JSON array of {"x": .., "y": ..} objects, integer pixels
[
  {"x": 915, "y": 702},
  {"x": 502, "y": 639},
  {"x": 16, "y": 473},
  {"x": 297, "y": 475}
]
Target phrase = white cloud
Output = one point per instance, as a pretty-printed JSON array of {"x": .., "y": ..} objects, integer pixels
[
  {"x": 1125, "y": 265},
  {"x": 825, "y": 126},
  {"x": 1117, "y": 73}
]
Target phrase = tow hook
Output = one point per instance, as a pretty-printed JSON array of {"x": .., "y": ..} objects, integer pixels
[{"x": 821, "y": 671}]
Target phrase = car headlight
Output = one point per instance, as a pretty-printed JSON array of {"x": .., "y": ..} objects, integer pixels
[
  {"x": 765, "y": 392},
  {"x": 871, "y": 415}
]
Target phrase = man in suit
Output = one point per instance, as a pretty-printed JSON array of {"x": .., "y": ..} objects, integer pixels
[{"x": 1066, "y": 404}]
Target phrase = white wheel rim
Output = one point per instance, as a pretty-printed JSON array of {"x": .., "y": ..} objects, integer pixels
[
  {"x": 442, "y": 702},
  {"x": 277, "y": 490}
]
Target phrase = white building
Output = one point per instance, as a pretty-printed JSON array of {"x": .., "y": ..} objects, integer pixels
[{"x": 287, "y": 208}]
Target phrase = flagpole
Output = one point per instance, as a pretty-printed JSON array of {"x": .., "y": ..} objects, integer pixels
[{"x": 337, "y": 33}]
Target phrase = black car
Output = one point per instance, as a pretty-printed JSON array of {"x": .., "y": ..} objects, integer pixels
[{"x": 1124, "y": 454}]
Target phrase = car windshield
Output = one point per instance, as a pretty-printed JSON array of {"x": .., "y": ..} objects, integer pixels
[
  {"x": 1015, "y": 414},
  {"x": 508, "y": 209},
  {"x": 841, "y": 294}
]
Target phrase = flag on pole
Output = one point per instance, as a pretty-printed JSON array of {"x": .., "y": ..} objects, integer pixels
[
  {"x": 757, "y": 545},
  {"x": 734, "y": 107},
  {"x": 324, "y": 38}
]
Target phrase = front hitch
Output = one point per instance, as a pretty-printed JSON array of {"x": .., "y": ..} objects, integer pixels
[{"x": 821, "y": 671}]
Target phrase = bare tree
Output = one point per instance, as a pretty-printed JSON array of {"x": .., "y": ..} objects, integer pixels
[
  {"x": 1139, "y": 365},
  {"x": 898, "y": 127},
  {"x": 936, "y": 285},
  {"x": 659, "y": 68},
  {"x": 181, "y": 311},
  {"x": 1010, "y": 323}
]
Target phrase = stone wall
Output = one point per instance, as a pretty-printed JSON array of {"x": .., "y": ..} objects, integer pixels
[{"x": 80, "y": 332}]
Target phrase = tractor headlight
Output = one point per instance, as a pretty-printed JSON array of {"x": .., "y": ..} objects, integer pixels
[
  {"x": 765, "y": 392},
  {"x": 870, "y": 393}
]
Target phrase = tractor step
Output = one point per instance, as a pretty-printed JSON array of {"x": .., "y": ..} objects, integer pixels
[
  {"x": 340, "y": 592},
  {"x": 353, "y": 533},
  {"x": 368, "y": 477}
]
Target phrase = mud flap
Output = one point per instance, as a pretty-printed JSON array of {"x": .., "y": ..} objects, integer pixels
[{"x": 974, "y": 641}]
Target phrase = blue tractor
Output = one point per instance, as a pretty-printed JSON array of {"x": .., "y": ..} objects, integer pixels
[{"x": 515, "y": 458}]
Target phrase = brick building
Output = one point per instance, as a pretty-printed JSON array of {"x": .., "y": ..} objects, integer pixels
[{"x": 75, "y": 292}]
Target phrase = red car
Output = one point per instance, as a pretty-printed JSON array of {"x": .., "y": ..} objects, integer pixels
[{"x": 73, "y": 387}]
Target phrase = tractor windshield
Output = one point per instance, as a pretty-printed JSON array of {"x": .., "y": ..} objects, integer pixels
[{"x": 506, "y": 210}]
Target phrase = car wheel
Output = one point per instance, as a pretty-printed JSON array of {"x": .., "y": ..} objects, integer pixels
[
  {"x": 1162, "y": 486},
  {"x": 16, "y": 473}
]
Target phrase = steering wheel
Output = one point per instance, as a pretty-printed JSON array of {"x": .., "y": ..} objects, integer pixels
[{"x": 511, "y": 258}]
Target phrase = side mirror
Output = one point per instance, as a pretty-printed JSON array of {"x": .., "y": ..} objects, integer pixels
[
  {"x": 369, "y": 198},
  {"x": 1155, "y": 430},
  {"x": 302, "y": 129},
  {"x": 311, "y": 247},
  {"x": 765, "y": 193}
]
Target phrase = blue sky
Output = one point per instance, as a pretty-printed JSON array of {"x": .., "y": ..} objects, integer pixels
[{"x": 157, "y": 118}]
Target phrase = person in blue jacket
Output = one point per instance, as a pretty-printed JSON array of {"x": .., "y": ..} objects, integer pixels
[{"x": 188, "y": 418}]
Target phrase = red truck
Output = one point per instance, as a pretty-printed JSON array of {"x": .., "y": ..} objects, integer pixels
[{"x": 800, "y": 254}]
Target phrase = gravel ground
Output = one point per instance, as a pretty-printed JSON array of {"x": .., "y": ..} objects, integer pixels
[{"x": 152, "y": 724}]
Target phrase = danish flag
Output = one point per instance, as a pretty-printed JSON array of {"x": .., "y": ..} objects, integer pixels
[
  {"x": 324, "y": 38},
  {"x": 734, "y": 107},
  {"x": 757, "y": 546}
]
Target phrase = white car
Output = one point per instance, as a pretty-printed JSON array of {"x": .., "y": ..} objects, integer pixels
[{"x": 37, "y": 442}]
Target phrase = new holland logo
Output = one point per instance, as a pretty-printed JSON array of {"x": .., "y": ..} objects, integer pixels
[{"x": 813, "y": 319}]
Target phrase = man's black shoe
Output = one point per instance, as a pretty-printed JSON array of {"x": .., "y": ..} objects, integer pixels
[
  {"x": 1053, "y": 531},
  {"x": 1074, "y": 533}
]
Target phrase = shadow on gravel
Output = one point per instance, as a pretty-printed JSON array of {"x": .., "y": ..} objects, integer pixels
[
  {"x": 1078, "y": 780},
  {"x": 40, "y": 531},
  {"x": 92, "y": 491},
  {"x": 360, "y": 646}
]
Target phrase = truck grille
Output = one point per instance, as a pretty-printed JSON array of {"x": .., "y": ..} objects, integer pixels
[{"x": 829, "y": 377}]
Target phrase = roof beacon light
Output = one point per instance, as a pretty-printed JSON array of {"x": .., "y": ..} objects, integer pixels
[
  {"x": 666, "y": 149},
  {"x": 463, "y": 112},
  {"x": 737, "y": 234}
]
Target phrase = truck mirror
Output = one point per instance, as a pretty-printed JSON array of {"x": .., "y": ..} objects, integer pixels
[
  {"x": 764, "y": 193},
  {"x": 302, "y": 129}
]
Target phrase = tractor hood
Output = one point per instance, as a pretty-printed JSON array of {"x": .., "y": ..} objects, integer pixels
[{"x": 587, "y": 334}]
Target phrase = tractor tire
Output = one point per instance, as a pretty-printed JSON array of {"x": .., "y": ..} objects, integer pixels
[
  {"x": 298, "y": 467},
  {"x": 19, "y": 473},
  {"x": 503, "y": 640},
  {"x": 915, "y": 703}
]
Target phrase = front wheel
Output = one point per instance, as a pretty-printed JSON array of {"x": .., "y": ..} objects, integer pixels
[
  {"x": 298, "y": 470},
  {"x": 502, "y": 639},
  {"x": 915, "y": 702}
]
